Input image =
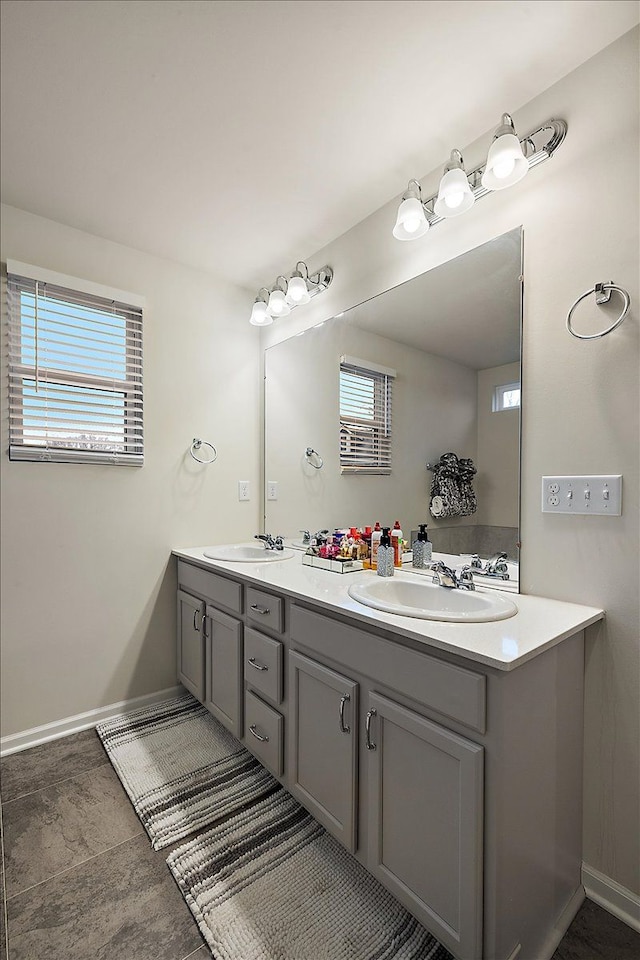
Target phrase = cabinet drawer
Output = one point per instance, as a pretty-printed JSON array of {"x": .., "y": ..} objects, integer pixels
[
  {"x": 264, "y": 732},
  {"x": 219, "y": 590},
  {"x": 452, "y": 691},
  {"x": 263, "y": 664},
  {"x": 265, "y": 609}
]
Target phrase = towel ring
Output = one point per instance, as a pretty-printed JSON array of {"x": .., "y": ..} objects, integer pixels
[
  {"x": 310, "y": 452},
  {"x": 602, "y": 293},
  {"x": 197, "y": 445}
]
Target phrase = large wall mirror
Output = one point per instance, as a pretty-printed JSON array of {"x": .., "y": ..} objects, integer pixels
[{"x": 449, "y": 342}]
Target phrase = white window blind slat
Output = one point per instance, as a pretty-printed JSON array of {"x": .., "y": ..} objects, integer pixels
[
  {"x": 75, "y": 374},
  {"x": 365, "y": 417}
]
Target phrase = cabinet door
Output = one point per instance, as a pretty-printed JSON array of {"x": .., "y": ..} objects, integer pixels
[
  {"x": 324, "y": 745},
  {"x": 190, "y": 644},
  {"x": 426, "y": 809},
  {"x": 223, "y": 669}
]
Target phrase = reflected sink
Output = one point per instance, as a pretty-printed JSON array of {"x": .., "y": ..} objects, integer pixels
[
  {"x": 429, "y": 601},
  {"x": 246, "y": 553}
]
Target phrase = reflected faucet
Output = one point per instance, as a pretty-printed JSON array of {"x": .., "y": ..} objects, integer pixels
[
  {"x": 497, "y": 567},
  {"x": 269, "y": 542}
]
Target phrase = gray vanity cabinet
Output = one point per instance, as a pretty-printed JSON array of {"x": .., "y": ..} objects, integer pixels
[
  {"x": 323, "y": 745},
  {"x": 224, "y": 669},
  {"x": 425, "y": 821},
  {"x": 190, "y": 645}
]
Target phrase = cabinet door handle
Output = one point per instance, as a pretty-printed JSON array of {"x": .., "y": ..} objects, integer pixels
[
  {"x": 252, "y": 729},
  {"x": 195, "y": 617},
  {"x": 367, "y": 726},
  {"x": 343, "y": 727},
  {"x": 259, "y": 609},
  {"x": 258, "y": 666}
]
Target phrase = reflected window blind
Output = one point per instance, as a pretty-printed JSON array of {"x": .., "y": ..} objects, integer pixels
[
  {"x": 75, "y": 375},
  {"x": 365, "y": 416}
]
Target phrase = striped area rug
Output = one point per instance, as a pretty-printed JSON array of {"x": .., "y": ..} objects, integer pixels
[
  {"x": 181, "y": 769},
  {"x": 272, "y": 884}
]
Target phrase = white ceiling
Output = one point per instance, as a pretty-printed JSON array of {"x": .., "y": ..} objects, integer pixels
[{"x": 239, "y": 136}]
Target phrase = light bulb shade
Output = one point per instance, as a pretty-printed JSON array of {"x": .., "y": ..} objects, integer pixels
[
  {"x": 455, "y": 195},
  {"x": 506, "y": 163},
  {"x": 278, "y": 306},
  {"x": 259, "y": 316},
  {"x": 411, "y": 221},
  {"x": 297, "y": 290}
]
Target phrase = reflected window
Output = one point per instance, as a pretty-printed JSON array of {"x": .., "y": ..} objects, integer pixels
[
  {"x": 506, "y": 396},
  {"x": 365, "y": 416}
]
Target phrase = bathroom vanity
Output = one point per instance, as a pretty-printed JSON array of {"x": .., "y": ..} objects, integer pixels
[{"x": 446, "y": 757}]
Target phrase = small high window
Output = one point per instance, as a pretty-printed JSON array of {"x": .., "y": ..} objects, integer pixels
[
  {"x": 365, "y": 416},
  {"x": 506, "y": 397},
  {"x": 75, "y": 372}
]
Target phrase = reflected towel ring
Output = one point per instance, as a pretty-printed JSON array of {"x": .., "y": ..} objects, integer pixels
[
  {"x": 310, "y": 452},
  {"x": 602, "y": 293},
  {"x": 197, "y": 445}
]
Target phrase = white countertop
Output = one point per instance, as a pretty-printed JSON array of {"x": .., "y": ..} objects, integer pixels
[{"x": 505, "y": 644}]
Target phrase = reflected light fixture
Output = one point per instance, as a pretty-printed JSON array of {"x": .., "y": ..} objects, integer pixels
[
  {"x": 509, "y": 159},
  {"x": 455, "y": 195},
  {"x": 506, "y": 162},
  {"x": 411, "y": 221},
  {"x": 259, "y": 315},
  {"x": 287, "y": 293}
]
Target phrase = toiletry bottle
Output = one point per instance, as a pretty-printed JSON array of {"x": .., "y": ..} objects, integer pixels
[
  {"x": 366, "y": 537},
  {"x": 396, "y": 543},
  {"x": 384, "y": 564},
  {"x": 421, "y": 549},
  {"x": 375, "y": 543}
]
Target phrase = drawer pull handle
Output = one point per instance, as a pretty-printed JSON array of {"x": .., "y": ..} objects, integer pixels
[
  {"x": 259, "y": 609},
  {"x": 252, "y": 729},
  {"x": 258, "y": 666},
  {"x": 372, "y": 713},
  {"x": 343, "y": 727}
]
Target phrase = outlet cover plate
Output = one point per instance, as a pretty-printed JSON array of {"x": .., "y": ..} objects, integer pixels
[
  {"x": 597, "y": 495},
  {"x": 244, "y": 490}
]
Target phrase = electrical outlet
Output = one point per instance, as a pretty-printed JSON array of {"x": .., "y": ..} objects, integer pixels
[
  {"x": 272, "y": 490},
  {"x": 601, "y": 495},
  {"x": 244, "y": 492}
]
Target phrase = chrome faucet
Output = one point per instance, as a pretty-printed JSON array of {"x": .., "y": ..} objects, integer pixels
[
  {"x": 269, "y": 542},
  {"x": 497, "y": 567},
  {"x": 444, "y": 576},
  {"x": 306, "y": 537}
]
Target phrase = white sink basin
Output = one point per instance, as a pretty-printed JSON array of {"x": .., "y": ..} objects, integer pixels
[
  {"x": 429, "y": 601},
  {"x": 246, "y": 553}
]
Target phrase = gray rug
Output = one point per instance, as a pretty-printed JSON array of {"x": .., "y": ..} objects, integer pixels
[
  {"x": 272, "y": 884},
  {"x": 181, "y": 769}
]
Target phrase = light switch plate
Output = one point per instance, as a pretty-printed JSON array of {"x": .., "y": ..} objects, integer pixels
[{"x": 601, "y": 495}]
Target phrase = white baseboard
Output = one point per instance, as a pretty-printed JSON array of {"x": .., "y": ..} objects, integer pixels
[
  {"x": 82, "y": 721},
  {"x": 615, "y": 898}
]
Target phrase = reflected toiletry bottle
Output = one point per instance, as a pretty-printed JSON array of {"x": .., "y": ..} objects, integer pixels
[
  {"x": 375, "y": 543},
  {"x": 384, "y": 563},
  {"x": 422, "y": 548},
  {"x": 396, "y": 543}
]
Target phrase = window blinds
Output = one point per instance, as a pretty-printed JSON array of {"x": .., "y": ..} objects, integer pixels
[
  {"x": 75, "y": 375},
  {"x": 365, "y": 417}
]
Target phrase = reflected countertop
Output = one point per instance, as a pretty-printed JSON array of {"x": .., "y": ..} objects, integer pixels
[{"x": 539, "y": 624}]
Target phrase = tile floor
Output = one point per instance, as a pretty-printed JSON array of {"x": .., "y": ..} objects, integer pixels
[{"x": 82, "y": 882}]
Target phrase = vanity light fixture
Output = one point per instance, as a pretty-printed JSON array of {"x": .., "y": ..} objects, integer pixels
[
  {"x": 287, "y": 293},
  {"x": 260, "y": 317},
  {"x": 509, "y": 159},
  {"x": 455, "y": 195}
]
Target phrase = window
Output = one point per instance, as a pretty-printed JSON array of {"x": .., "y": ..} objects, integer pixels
[
  {"x": 75, "y": 371},
  {"x": 365, "y": 416},
  {"x": 506, "y": 397}
]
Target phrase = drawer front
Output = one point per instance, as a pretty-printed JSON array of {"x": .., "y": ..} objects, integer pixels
[
  {"x": 452, "y": 691},
  {"x": 265, "y": 609},
  {"x": 219, "y": 590},
  {"x": 264, "y": 728},
  {"x": 263, "y": 664}
]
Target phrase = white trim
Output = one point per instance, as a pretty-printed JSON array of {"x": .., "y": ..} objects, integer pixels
[
  {"x": 622, "y": 903},
  {"x": 368, "y": 365},
  {"x": 18, "y": 269},
  {"x": 81, "y": 721},
  {"x": 561, "y": 925}
]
